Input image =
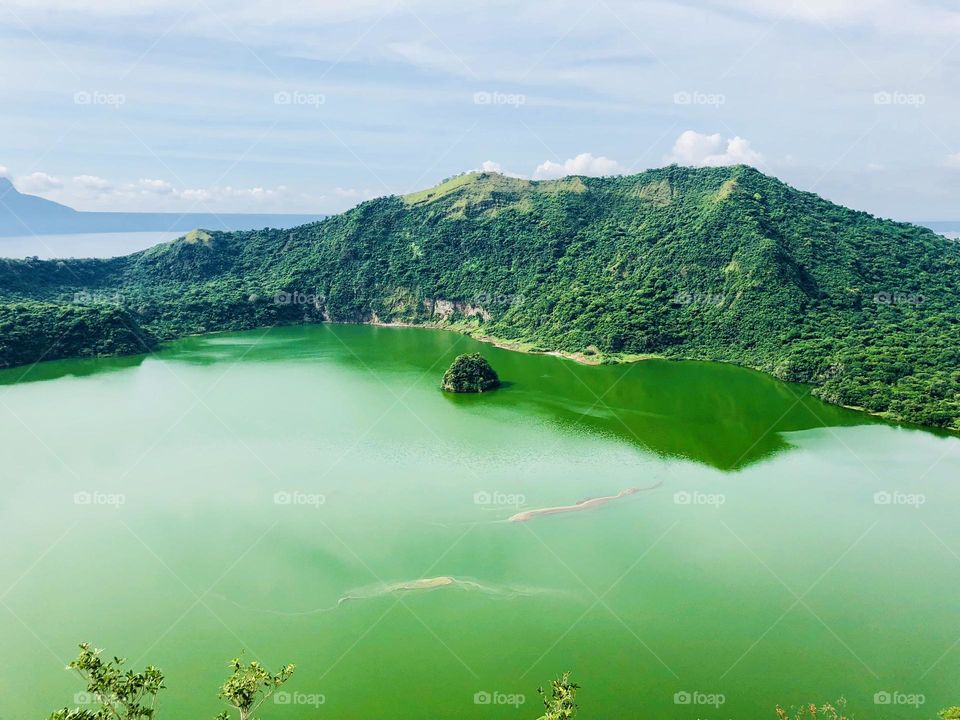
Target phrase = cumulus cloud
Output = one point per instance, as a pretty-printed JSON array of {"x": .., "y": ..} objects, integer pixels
[
  {"x": 583, "y": 164},
  {"x": 702, "y": 150},
  {"x": 38, "y": 182},
  {"x": 491, "y": 166},
  {"x": 4, "y": 171}
]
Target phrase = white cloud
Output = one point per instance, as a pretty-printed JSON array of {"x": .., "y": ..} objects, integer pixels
[
  {"x": 927, "y": 17},
  {"x": 583, "y": 164},
  {"x": 491, "y": 166},
  {"x": 38, "y": 182},
  {"x": 874, "y": 167},
  {"x": 953, "y": 160},
  {"x": 161, "y": 187},
  {"x": 702, "y": 150},
  {"x": 4, "y": 171},
  {"x": 93, "y": 183}
]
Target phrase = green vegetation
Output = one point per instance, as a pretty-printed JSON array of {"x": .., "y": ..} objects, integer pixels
[
  {"x": 470, "y": 374},
  {"x": 115, "y": 693},
  {"x": 249, "y": 687},
  {"x": 828, "y": 711},
  {"x": 560, "y": 704},
  {"x": 720, "y": 264},
  {"x": 112, "y": 691},
  {"x": 118, "y": 694}
]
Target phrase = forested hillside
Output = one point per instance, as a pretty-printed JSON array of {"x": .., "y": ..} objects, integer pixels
[{"x": 715, "y": 263}]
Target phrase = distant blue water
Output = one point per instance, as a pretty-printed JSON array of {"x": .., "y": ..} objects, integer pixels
[
  {"x": 950, "y": 228},
  {"x": 81, "y": 245}
]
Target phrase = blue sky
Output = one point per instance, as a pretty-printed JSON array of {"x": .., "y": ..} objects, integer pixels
[{"x": 289, "y": 105}]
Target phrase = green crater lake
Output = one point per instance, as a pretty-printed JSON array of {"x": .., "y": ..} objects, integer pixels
[{"x": 281, "y": 492}]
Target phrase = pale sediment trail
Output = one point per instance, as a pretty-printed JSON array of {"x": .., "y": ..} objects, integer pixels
[
  {"x": 579, "y": 505},
  {"x": 404, "y": 587}
]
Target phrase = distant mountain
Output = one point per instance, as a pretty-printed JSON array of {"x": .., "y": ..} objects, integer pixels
[
  {"x": 22, "y": 214},
  {"x": 722, "y": 264}
]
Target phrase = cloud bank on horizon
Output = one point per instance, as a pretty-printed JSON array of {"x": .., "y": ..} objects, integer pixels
[{"x": 288, "y": 106}]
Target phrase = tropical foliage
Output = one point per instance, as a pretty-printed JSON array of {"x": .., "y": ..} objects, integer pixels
[{"x": 714, "y": 263}]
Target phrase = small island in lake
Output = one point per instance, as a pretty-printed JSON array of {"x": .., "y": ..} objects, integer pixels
[{"x": 470, "y": 374}]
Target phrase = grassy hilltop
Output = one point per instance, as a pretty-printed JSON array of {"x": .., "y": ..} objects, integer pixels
[{"x": 715, "y": 263}]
